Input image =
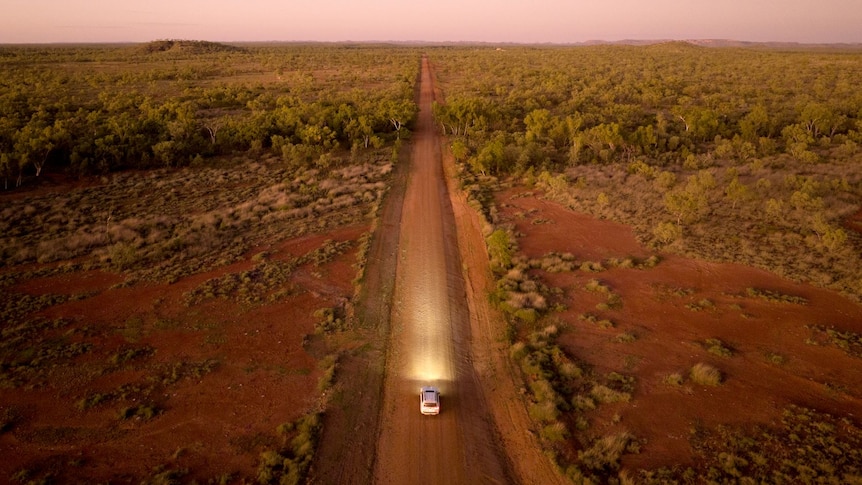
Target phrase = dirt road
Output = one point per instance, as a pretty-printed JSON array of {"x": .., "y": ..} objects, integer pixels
[{"x": 430, "y": 341}]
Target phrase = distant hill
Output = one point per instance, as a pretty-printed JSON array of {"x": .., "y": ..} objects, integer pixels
[{"x": 186, "y": 47}]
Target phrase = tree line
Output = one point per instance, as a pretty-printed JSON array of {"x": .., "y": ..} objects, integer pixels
[
  {"x": 681, "y": 142},
  {"x": 561, "y": 107},
  {"x": 100, "y": 108}
]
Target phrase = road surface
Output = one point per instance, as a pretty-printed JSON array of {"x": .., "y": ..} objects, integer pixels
[{"x": 430, "y": 340}]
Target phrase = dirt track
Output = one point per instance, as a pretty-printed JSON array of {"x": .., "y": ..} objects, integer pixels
[
  {"x": 435, "y": 325},
  {"x": 430, "y": 340}
]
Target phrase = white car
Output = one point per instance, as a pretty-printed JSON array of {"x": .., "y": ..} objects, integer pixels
[{"x": 429, "y": 400}]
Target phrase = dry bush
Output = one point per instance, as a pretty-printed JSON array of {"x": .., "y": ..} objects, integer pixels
[
  {"x": 674, "y": 379},
  {"x": 555, "y": 432},
  {"x": 544, "y": 411},
  {"x": 604, "y": 394},
  {"x": 705, "y": 374},
  {"x": 605, "y": 452}
]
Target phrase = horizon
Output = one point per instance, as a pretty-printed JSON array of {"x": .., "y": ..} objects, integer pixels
[
  {"x": 556, "y": 22},
  {"x": 372, "y": 42}
]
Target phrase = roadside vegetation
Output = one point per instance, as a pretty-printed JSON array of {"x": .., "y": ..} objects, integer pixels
[{"x": 760, "y": 168}]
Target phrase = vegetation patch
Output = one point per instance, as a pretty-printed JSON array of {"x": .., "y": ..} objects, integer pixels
[
  {"x": 849, "y": 342},
  {"x": 717, "y": 347},
  {"x": 705, "y": 375},
  {"x": 31, "y": 350},
  {"x": 701, "y": 305},
  {"x": 807, "y": 447},
  {"x": 775, "y": 297},
  {"x": 713, "y": 175}
]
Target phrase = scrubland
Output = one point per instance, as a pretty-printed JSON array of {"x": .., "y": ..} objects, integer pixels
[{"x": 658, "y": 220}]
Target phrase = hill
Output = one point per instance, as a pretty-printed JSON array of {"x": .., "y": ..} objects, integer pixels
[{"x": 187, "y": 47}]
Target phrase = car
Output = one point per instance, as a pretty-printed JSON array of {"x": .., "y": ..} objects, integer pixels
[{"x": 429, "y": 400}]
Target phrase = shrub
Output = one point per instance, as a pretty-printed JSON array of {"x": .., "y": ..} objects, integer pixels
[
  {"x": 555, "y": 432},
  {"x": 123, "y": 256},
  {"x": 776, "y": 359},
  {"x": 625, "y": 338},
  {"x": 605, "y": 394},
  {"x": 592, "y": 267},
  {"x": 674, "y": 379},
  {"x": 667, "y": 232},
  {"x": 705, "y": 375},
  {"x": 518, "y": 351},
  {"x": 329, "y": 320},
  {"x": 596, "y": 286},
  {"x": 145, "y": 412},
  {"x": 583, "y": 403},
  {"x": 605, "y": 452},
  {"x": 717, "y": 347},
  {"x": 544, "y": 411},
  {"x": 329, "y": 366},
  {"x": 527, "y": 315}
]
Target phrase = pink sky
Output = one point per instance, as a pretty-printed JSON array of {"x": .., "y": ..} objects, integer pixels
[{"x": 557, "y": 21}]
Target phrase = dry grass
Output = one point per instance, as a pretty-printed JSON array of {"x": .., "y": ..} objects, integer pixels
[
  {"x": 168, "y": 224},
  {"x": 705, "y": 375}
]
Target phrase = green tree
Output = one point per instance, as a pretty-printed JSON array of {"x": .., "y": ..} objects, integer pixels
[
  {"x": 736, "y": 192},
  {"x": 755, "y": 123},
  {"x": 500, "y": 250}
]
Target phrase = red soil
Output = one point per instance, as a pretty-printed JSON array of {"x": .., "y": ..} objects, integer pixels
[
  {"x": 212, "y": 426},
  {"x": 670, "y": 335}
]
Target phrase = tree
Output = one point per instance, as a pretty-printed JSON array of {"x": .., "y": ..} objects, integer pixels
[
  {"x": 690, "y": 203},
  {"x": 830, "y": 237},
  {"x": 684, "y": 205},
  {"x": 819, "y": 119},
  {"x": 500, "y": 250},
  {"x": 736, "y": 192},
  {"x": 399, "y": 113},
  {"x": 34, "y": 143},
  {"x": 360, "y": 128},
  {"x": 459, "y": 150},
  {"x": 538, "y": 124},
  {"x": 5, "y": 169},
  {"x": 755, "y": 123},
  {"x": 490, "y": 158}
]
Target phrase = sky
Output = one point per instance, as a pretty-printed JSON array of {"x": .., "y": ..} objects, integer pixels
[{"x": 519, "y": 21}]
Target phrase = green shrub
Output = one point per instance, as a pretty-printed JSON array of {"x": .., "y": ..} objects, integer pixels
[
  {"x": 518, "y": 351},
  {"x": 500, "y": 250},
  {"x": 527, "y": 315},
  {"x": 544, "y": 411}
]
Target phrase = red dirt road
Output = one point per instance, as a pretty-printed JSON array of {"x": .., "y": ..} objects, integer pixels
[{"x": 430, "y": 341}]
